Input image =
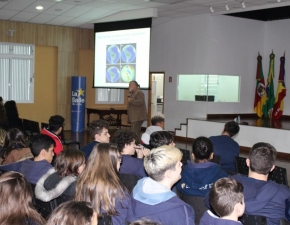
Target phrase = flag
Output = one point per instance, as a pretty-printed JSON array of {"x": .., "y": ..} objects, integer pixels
[
  {"x": 269, "y": 104},
  {"x": 260, "y": 93},
  {"x": 281, "y": 91}
]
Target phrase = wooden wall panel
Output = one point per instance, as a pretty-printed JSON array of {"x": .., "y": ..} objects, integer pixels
[{"x": 68, "y": 42}]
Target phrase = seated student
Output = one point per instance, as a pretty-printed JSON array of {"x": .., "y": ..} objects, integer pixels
[
  {"x": 42, "y": 150},
  {"x": 73, "y": 213},
  {"x": 227, "y": 200},
  {"x": 62, "y": 178},
  {"x": 197, "y": 178},
  {"x": 125, "y": 141},
  {"x": 12, "y": 114},
  {"x": 157, "y": 122},
  {"x": 54, "y": 129},
  {"x": 226, "y": 147},
  {"x": 99, "y": 131},
  {"x": 152, "y": 197},
  {"x": 15, "y": 148},
  {"x": 3, "y": 134},
  {"x": 160, "y": 138},
  {"x": 262, "y": 197}
]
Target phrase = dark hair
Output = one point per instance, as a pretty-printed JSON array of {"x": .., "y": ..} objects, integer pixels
[
  {"x": 14, "y": 140},
  {"x": 225, "y": 194},
  {"x": 97, "y": 126},
  {"x": 144, "y": 222},
  {"x": 3, "y": 117},
  {"x": 72, "y": 213},
  {"x": 157, "y": 119},
  {"x": 11, "y": 108},
  {"x": 39, "y": 142},
  {"x": 202, "y": 149},
  {"x": 135, "y": 82},
  {"x": 68, "y": 162},
  {"x": 232, "y": 128},
  {"x": 123, "y": 137},
  {"x": 55, "y": 122},
  {"x": 160, "y": 138},
  {"x": 262, "y": 158},
  {"x": 16, "y": 201}
]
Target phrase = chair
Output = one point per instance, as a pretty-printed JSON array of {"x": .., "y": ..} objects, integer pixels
[
  {"x": 241, "y": 165},
  {"x": 68, "y": 142},
  {"x": 128, "y": 180},
  {"x": 185, "y": 156},
  {"x": 247, "y": 219},
  {"x": 63, "y": 198},
  {"x": 284, "y": 222},
  {"x": 105, "y": 220},
  {"x": 216, "y": 159},
  {"x": 27, "y": 127},
  {"x": 44, "y": 125},
  {"x": 279, "y": 175},
  {"x": 197, "y": 203}
]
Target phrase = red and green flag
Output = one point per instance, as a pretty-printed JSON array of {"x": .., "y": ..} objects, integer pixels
[
  {"x": 269, "y": 104},
  {"x": 260, "y": 93},
  {"x": 281, "y": 91}
]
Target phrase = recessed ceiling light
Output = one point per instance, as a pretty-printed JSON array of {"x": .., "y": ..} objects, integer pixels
[{"x": 39, "y": 7}]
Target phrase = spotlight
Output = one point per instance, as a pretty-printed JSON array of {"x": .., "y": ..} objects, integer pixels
[
  {"x": 227, "y": 7},
  {"x": 211, "y": 9},
  {"x": 244, "y": 5}
]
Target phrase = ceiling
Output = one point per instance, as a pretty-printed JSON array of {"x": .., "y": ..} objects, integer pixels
[{"x": 83, "y": 13}]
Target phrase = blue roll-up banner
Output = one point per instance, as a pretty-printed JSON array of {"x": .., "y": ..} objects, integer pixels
[{"x": 78, "y": 102}]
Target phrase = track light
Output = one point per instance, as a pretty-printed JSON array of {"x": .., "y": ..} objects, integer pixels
[
  {"x": 244, "y": 5},
  {"x": 227, "y": 7},
  {"x": 211, "y": 9}
]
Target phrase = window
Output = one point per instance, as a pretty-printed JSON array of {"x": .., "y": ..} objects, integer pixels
[
  {"x": 17, "y": 72},
  {"x": 109, "y": 96}
]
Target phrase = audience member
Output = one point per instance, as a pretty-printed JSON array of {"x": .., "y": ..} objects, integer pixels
[
  {"x": 227, "y": 148},
  {"x": 62, "y": 178},
  {"x": 73, "y": 213},
  {"x": 55, "y": 126},
  {"x": 3, "y": 134},
  {"x": 12, "y": 114},
  {"x": 4, "y": 124},
  {"x": 125, "y": 141},
  {"x": 16, "y": 201},
  {"x": 42, "y": 150},
  {"x": 99, "y": 184},
  {"x": 227, "y": 200},
  {"x": 157, "y": 124},
  {"x": 160, "y": 138},
  {"x": 137, "y": 112},
  {"x": 197, "y": 178},
  {"x": 262, "y": 197},
  {"x": 14, "y": 148},
  {"x": 152, "y": 197},
  {"x": 99, "y": 131}
]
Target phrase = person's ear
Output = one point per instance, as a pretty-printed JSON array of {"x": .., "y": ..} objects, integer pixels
[
  {"x": 248, "y": 162},
  {"x": 97, "y": 137},
  {"x": 273, "y": 167},
  {"x": 193, "y": 156},
  {"x": 211, "y": 156},
  {"x": 239, "y": 209},
  {"x": 168, "y": 174}
]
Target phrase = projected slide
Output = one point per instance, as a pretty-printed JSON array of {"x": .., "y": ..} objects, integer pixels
[{"x": 122, "y": 56}]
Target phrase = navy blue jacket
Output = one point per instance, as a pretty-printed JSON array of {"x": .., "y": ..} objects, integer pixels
[
  {"x": 132, "y": 166},
  {"x": 199, "y": 178},
  {"x": 122, "y": 206},
  {"x": 32, "y": 170},
  {"x": 89, "y": 148},
  {"x": 227, "y": 149},
  {"x": 165, "y": 208},
  {"x": 209, "y": 218}
]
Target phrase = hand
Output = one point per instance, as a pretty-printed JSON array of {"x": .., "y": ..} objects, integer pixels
[
  {"x": 145, "y": 151},
  {"x": 139, "y": 153}
]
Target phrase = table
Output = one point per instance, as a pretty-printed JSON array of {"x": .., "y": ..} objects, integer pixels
[{"x": 104, "y": 112}]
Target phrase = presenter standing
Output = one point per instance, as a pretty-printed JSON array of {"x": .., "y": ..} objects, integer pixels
[{"x": 136, "y": 110}]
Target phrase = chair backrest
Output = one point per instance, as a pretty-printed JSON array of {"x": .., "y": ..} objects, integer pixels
[
  {"x": 185, "y": 156},
  {"x": 63, "y": 198},
  {"x": 105, "y": 220},
  {"x": 247, "y": 219},
  {"x": 241, "y": 165},
  {"x": 284, "y": 222},
  {"x": 34, "y": 127},
  {"x": 26, "y": 126},
  {"x": 279, "y": 175},
  {"x": 128, "y": 180},
  {"x": 197, "y": 203},
  {"x": 216, "y": 159},
  {"x": 44, "y": 125}
]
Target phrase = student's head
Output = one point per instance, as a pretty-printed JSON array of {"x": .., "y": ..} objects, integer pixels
[
  {"x": 70, "y": 163},
  {"x": 56, "y": 124},
  {"x": 99, "y": 130},
  {"x": 144, "y": 222},
  {"x": 158, "y": 120},
  {"x": 262, "y": 158},
  {"x": 16, "y": 200},
  {"x": 3, "y": 117},
  {"x": 232, "y": 128},
  {"x": 164, "y": 163},
  {"x": 2, "y": 137},
  {"x": 133, "y": 86},
  {"x": 160, "y": 138},
  {"x": 73, "y": 213},
  {"x": 125, "y": 141},
  {"x": 42, "y": 147},
  {"x": 202, "y": 150},
  {"x": 10, "y": 107},
  {"x": 226, "y": 197}
]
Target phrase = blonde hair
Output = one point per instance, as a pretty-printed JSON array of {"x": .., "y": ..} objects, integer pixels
[
  {"x": 160, "y": 160},
  {"x": 2, "y": 137}
]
